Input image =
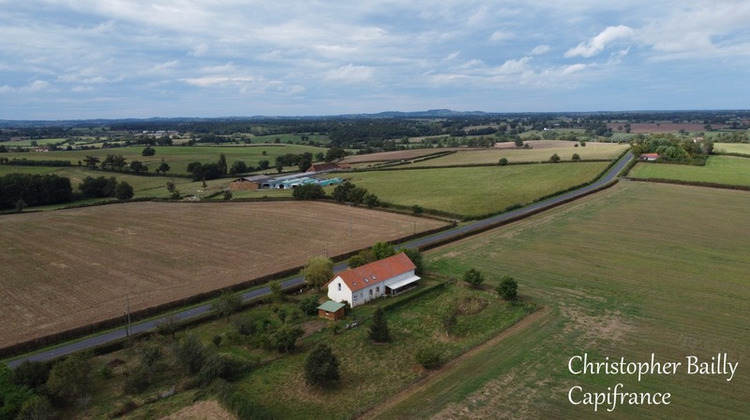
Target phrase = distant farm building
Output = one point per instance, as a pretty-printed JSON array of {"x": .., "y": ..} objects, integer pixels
[
  {"x": 360, "y": 285},
  {"x": 332, "y": 310},
  {"x": 248, "y": 183},
  {"x": 286, "y": 182},
  {"x": 649, "y": 157},
  {"x": 319, "y": 168}
]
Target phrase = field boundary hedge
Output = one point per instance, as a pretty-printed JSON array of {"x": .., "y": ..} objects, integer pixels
[{"x": 691, "y": 183}]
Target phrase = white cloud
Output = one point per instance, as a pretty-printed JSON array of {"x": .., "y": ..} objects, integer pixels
[
  {"x": 499, "y": 36},
  {"x": 350, "y": 74},
  {"x": 598, "y": 43},
  {"x": 36, "y": 86},
  {"x": 215, "y": 80},
  {"x": 541, "y": 50}
]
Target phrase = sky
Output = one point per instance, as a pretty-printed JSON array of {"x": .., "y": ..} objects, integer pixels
[{"x": 82, "y": 59}]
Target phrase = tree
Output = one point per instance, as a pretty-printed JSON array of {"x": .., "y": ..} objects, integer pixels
[
  {"x": 91, "y": 161},
  {"x": 223, "y": 169},
  {"x": 263, "y": 165},
  {"x": 70, "y": 379},
  {"x": 309, "y": 305},
  {"x": 191, "y": 354},
  {"x": 383, "y": 250},
  {"x": 335, "y": 153},
  {"x": 363, "y": 257},
  {"x": 173, "y": 191},
  {"x": 318, "y": 271},
  {"x": 554, "y": 158},
  {"x": 575, "y": 157},
  {"x": 321, "y": 366},
  {"x": 415, "y": 256},
  {"x": 163, "y": 167},
  {"x": 168, "y": 326},
  {"x": 379, "y": 329},
  {"x": 341, "y": 192},
  {"x": 502, "y": 162},
  {"x": 371, "y": 200},
  {"x": 518, "y": 142},
  {"x": 123, "y": 191},
  {"x": 473, "y": 277},
  {"x": 148, "y": 151},
  {"x": 138, "y": 166},
  {"x": 30, "y": 374},
  {"x": 308, "y": 192},
  {"x": 226, "y": 304},
  {"x": 238, "y": 167},
  {"x": 277, "y": 293},
  {"x": 508, "y": 288},
  {"x": 285, "y": 338},
  {"x": 12, "y": 396},
  {"x": 305, "y": 161}
]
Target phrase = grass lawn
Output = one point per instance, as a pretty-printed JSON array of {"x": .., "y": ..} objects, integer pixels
[
  {"x": 475, "y": 191},
  {"x": 143, "y": 186},
  {"x": 743, "y": 148},
  {"x": 370, "y": 372},
  {"x": 634, "y": 270},
  {"x": 729, "y": 170},
  {"x": 178, "y": 157},
  {"x": 491, "y": 156}
]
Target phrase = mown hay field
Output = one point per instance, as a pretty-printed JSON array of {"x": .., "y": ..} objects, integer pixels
[
  {"x": 475, "y": 191},
  {"x": 541, "y": 150},
  {"x": 68, "y": 268},
  {"x": 743, "y": 148},
  {"x": 729, "y": 170},
  {"x": 634, "y": 270}
]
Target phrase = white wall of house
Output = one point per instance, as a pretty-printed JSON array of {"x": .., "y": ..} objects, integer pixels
[{"x": 338, "y": 291}]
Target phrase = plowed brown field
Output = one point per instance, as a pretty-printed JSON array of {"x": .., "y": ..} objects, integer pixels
[{"x": 68, "y": 268}]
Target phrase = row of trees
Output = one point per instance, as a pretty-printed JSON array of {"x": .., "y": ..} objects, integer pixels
[
  {"x": 119, "y": 163},
  {"x": 507, "y": 288}
]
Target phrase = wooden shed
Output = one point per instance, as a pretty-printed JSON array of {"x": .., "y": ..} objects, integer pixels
[{"x": 332, "y": 310}]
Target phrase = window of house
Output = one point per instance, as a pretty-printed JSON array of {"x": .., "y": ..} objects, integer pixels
[{"x": 339, "y": 287}]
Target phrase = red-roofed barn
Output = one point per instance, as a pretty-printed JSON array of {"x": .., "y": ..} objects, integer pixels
[{"x": 362, "y": 284}]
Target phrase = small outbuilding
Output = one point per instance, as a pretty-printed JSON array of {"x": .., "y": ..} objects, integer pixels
[
  {"x": 332, "y": 310},
  {"x": 648, "y": 157},
  {"x": 248, "y": 183},
  {"x": 320, "y": 168}
]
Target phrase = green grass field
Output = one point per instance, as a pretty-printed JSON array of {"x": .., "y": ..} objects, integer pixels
[
  {"x": 743, "y": 148},
  {"x": 475, "y": 191},
  {"x": 729, "y": 170},
  {"x": 143, "y": 186},
  {"x": 634, "y": 270},
  {"x": 491, "y": 156},
  {"x": 178, "y": 157}
]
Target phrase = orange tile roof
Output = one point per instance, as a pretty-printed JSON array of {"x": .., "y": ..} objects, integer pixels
[{"x": 376, "y": 272}]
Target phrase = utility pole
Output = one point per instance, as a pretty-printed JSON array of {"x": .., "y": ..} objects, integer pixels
[{"x": 127, "y": 326}]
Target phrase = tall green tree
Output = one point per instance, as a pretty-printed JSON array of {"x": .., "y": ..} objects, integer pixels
[
  {"x": 223, "y": 164},
  {"x": 318, "y": 271},
  {"x": 321, "y": 366},
  {"x": 379, "y": 329},
  {"x": 508, "y": 288},
  {"x": 70, "y": 379},
  {"x": 227, "y": 304},
  {"x": 383, "y": 250}
]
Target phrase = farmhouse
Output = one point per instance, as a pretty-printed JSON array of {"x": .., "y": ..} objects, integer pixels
[
  {"x": 362, "y": 284},
  {"x": 320, "y": 168},
  {"x": 248, "y": 183},
  {"x": 332, "y": 310},
  {"x": 648, "y": 157}
]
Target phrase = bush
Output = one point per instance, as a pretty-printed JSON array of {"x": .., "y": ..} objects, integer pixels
[
  {"x": 473, "y": 277},
  {"x": 508, "y": 288},
  {"x": 321, "y": 366},
  {"x": 554, "y": 158},
  {"x": 576, "y": 157},
  {"x": 123, "y": 191},
  {"x": 308, "y": 192},
  {"x": 502, "y": 162},
  {"x": 429, "y": 357}
]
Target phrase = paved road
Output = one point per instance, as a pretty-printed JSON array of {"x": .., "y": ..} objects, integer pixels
[{"x": 440, "y": 237}]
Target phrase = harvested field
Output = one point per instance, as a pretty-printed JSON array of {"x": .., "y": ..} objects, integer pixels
[
  {"x": 397, "y": 155},
  {"x": 68, "y": 268},
  {"x": 540, "y": 150}
]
